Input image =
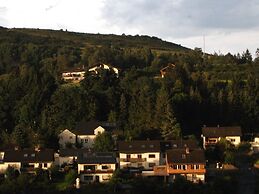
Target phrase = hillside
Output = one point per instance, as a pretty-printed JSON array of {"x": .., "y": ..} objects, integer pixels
[{"x": 39, "y": 36}]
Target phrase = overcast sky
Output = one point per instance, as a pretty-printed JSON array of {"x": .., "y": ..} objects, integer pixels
[{"x": 227, "y": 25}]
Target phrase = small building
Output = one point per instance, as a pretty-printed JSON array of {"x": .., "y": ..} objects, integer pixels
[
  {"x": 101, "y": 66},
  {"x": 28, "y": 160},
  {"x": 186, "y": 162},
  {"x": 73, "y": 75},
  {"x": 96, "y": 167},
  {"x": 212, "y": 135},
  {"x": 68, "y": 156},
  {"x": 166, "y": 69}
]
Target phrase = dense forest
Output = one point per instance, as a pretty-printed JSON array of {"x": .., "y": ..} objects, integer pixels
[{"x": 202, "y": 89}]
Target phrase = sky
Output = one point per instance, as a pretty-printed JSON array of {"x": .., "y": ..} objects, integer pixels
[{"x": 223, "y": 25}]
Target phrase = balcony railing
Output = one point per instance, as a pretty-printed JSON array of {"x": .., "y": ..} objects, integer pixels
[
  {"x": 133, "y": 160},
  {"x": 96, "y": 171}
]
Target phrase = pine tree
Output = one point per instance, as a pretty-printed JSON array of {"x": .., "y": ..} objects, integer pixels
[{"x": 170, "y": 128}]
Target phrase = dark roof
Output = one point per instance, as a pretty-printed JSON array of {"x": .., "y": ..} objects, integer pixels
[
  {"x": 72, "y": 152},
  {"x": 221, "y": 131},
  {"x": 88, "y": 127},
  {"x": 75, "y": 69},
  {"x": 180, "y": 156},
  {"x": 138, "y": 146},
  {"x": 97, "y": 158},
  {"x": 29, "y": 155},
  {"x": 181, "y": 143}
]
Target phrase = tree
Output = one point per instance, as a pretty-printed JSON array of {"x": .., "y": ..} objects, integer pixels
[
  {"x": 104, "y": 142},
  {"x": 170, "y": 128}
]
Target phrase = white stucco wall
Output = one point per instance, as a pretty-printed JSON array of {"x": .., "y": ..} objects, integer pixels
[
  {"x": 87, "y": 141},
  {"x": 4, "y": 166},
  {"x": 97, "y": 166},
  {"x": 65, "y": 137},
  {"x": 145, "y": 156}
]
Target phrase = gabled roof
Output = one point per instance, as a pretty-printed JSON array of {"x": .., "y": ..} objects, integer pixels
[
  {"x": 180, "y": 143},
  {"x": 86, "y": 127},
  {"x": 221, "y": 131},
  {"x": 29, "y": 155},
  {"x": 75, "y": 69},
  {"x": 97, "y": 158},
  {"x": 180, "y": 156},
  {"x": 139, "y": 146}
]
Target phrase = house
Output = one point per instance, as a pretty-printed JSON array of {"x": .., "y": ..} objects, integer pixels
[
  {"x": 28, "y": 160},
  {"x": 68, "y": 156},
  {"x": 166, "y": 69},
  {"x": 139, "y": 154},
  {"x": 212, "y": 135},
  {"x": 96, "y": 167},
  {"x": 146, "y": 155},
  {"x": 186, "y": 162},
  {"x": 96, "y": 68},
  {"x": 83, "y": 135},
  {"x": 73, "y": 75}
]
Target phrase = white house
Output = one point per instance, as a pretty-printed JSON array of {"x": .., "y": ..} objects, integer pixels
[
  {"x": 73, "y": 75},
  {"x": 139, "y": 154},
  {"x": 97, "y": 67},
  {"x": 66, "y": 137},
  {"x": 27, "y": 160},
  {"x": 96, "y": 167},
  {"x": 83, "y": 135},
  {"x": 212, "y": 135}
]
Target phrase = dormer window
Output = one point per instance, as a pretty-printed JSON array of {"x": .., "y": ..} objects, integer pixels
[
  {"x": 151, "y": 145},
  {"x": 143, "y": 146},
  {"x": 175, "y": 145},
  {"x": 130, "y": 146},
  {"x": 25, "y": 155},
  {"x": 183, "y": 156},
  {"x": 32, "y": 155}
]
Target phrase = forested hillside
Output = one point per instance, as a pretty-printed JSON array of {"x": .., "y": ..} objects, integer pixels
[{"x": 35, "y": 104}]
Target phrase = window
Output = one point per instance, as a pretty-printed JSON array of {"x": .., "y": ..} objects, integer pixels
[
  {"x": 183, "y": 156},
  {"x": 139, "y": 156},
  {"x": 32, "y": 155},
  {"x": 151, "y": 145},
  {"x": 82, "y": 140},
  {"x": 86, "y": 140},
  {"x": 70, "y": 137},
  {"x": 88, "y": 178},
  {"x": 105, "y": 167},
  {"x": 143, "y": 146},
  {"x": 25, "y": 155},
  {"x": 151, "y": 165},
  {"x": 151, "y": 155},
  {"x": 130, "y": 146},
  {"x": 192, "y": 167},
  {"x": 174, "y": 166},
  {"x": 128, "y": 156},
  {"x": 232, "y": 140},
  {"x": 45, "y": 165},
  {"x": 184, "y": 167},
  {"x": 197, "y": 167}
]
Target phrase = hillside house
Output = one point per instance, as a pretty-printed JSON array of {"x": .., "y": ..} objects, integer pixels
[
  {"x": 96, "y": 167},
  {"x": 27, "y": 160},
  {"x": 73, "y": 75},
  {"x": 186, "y": 162},
  {"x": 96, "y": 69},
  {"x": 166, "y": 70},
  {"x": 83, "y": 135},
  {"x": 212, "y": 135}
]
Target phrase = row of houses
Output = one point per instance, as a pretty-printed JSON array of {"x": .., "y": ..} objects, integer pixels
[{"x": 156, "y": 158}]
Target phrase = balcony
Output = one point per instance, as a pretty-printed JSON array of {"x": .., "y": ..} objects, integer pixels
[
  {"x": 160, "y": 170},
  {"x": 133, "y": 160},
  {"x": 96, "y": 171}
]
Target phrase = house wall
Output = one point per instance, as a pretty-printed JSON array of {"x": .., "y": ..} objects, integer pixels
[
  {"x": 87, "y": 141},
  {"x": 99, "y": 130},
  {"x": 145, "y": 161},
  {"x": 66, "y": 136},
  {"x": 98, "y": 167},
  {"x": 103, "y": 175},
  {"x": 88, "y": 178},
  {"x": 1, "y": 156},
  {"x": 234, "y": 139},
  {"x": 66, "y": 160},
  {"x": 4, "y": 166},
  {"x": 45, "y": 165},
  {"x": 73, "y": 76}
]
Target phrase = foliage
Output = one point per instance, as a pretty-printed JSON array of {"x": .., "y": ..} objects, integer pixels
[{"x": 104, "y": 142}]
